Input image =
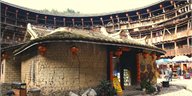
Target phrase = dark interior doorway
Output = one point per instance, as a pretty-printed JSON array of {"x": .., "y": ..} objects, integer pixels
[{"x": 128, "y": 61}]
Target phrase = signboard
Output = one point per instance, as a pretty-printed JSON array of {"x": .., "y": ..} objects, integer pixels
[{"x": 117, "y": 85}]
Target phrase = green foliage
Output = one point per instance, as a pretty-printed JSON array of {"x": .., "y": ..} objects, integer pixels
[
  {"x": 105, "y": 88},
  {"x": 56, "y": 12},
  {"x": 147, "y": 85}
]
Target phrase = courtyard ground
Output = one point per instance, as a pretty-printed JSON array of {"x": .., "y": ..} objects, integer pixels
[{"x": 178, "y": 87}]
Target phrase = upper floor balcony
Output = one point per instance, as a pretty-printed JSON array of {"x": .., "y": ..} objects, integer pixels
[
  {"x": 170, "y": 37},
  {"x": 184, "y": 50}
]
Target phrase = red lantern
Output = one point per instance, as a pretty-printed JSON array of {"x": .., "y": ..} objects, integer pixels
[
  {"x": 145, "y": 54},
  {"x": 137, "y": 13},
  {"x": 153, "y": 55},
  {"x": 158, "y": 57},
  {"x": 148, "y": 10},
  {"x": 171, "y": 2},
  {"x": 4, "y": 55},
  {"x": 161, "y": 6},
  {"x": 74, "y": 50},
  {"x": 42, "y": 49},
  {"x": 127, "y": 14},
  {"x": 118, "y": 53}
]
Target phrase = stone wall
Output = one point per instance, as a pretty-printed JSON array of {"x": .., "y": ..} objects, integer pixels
[{"x": 58, "y": 71}]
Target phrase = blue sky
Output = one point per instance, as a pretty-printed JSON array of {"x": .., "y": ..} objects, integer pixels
[{"x": 83, "y": 6}]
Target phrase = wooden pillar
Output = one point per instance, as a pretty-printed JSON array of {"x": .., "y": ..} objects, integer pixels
[
  {"x": 16, "y": 15},
  {"x": 6, "y": 8},
  {"x": 64, "y": 24},
  {"x": 91, "y": 22},
  {"x": 82, "y": 23},
  {"x": 111, "y": 65},
  {"x": 27, "y": 17},
  {"x": 13, "y": 38},
  {"x": 118, "y": 22},
  {"x": 45, "y": 19},
  {"x": 112, "y": 22},
  {"x": 73, "y": 21},
  {"x": 54, "y": 21},
  {"x": 138, "y": 69},
  {"x": 188, "y": 25},
  {"x": 140, "y": 35},
  {"x": 176, "y": 12},
  {"x": 163, "y": 47},
  {"x": 175, "y": 29},
  {"x": 163, "y": 33},
  {"x": 151, "y": 37},
  {"x": 175, "y": 47},
  {"x": 36, "y": 19},
  {"x": 128, "y": 19},
  {"x": 188, "y": 43},
  {"x": 102, "y": 21}
]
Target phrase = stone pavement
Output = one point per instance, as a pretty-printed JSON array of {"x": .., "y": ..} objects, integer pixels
[
  {"x": 186, "y": 83},
  {"x": 178, "y": 87}
]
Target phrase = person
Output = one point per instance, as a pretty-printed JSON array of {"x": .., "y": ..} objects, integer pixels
[
  {"x": 166, "y": 74},
  {"x": 178, "y": 71},
  {"x": 170, "y": 74}
]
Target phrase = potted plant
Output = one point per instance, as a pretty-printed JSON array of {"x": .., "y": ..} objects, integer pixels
[{"x": 105, "y": 88}]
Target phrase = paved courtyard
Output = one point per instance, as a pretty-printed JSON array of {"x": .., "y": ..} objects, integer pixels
[{"x": 178, "y": 87}]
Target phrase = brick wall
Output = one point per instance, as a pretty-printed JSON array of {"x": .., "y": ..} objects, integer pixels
[{"x": 58, "y": 71}]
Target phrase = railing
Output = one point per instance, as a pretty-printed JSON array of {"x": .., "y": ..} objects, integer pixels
[
  {"x": 170, "y": 37},
  {"x": 169, "y": 52},
  {"x": 185, "y": 50}
]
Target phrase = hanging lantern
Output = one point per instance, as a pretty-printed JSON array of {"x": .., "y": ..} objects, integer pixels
[
  {"x": 161, "y": 6},
  {"x": 148, "y": 10},
  {"x": 137, "y": 13},
  {"x": 171, "y": 1},
  {"x": 111, "y": 17},
  {"x": 42, "y": 49},
  {"x": 127, "y": 14},
  {"x": 153, "y": 55},
  {"x": 145, "y": 54},
  {"x": 118, "y": 53},
  {"x": 158, "y": 57},
  {"x": 4, "y": 55},
  {"x": 74, "y": 50},
  {"x": 91, "y": 19}
]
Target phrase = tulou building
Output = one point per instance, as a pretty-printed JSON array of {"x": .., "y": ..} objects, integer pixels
[{"x": 62, "y": 53}]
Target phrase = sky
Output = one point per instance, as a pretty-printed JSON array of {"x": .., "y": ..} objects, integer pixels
[{"x": 83, "y": 6}]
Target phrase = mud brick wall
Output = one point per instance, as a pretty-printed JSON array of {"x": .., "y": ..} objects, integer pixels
[
  {"x": 11, "y": 70},
  {"x": 4, "y": 88},
  {"x": 59, "y": 71}
]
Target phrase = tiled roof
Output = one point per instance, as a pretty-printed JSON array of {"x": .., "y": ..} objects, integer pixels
[{"x": 88, "y": 37}]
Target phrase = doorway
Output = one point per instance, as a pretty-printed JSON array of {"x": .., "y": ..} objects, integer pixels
[{"x": 128, "y": 69}]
